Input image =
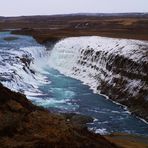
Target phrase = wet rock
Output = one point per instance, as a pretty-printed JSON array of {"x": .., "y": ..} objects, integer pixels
[
  {"x": 11, "y": 38},
  {"x": 78, "y": 119}
]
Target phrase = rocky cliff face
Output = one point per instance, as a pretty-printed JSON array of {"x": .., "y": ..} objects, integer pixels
[
  {"x": 117, "y": 68},
  {"x": 26, "y": 125}
]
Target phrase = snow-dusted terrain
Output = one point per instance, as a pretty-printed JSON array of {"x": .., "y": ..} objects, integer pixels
[{"x": 91, "y": 60}]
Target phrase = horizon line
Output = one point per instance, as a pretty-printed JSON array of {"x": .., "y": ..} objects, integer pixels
[{"x": 79, "y": 13}]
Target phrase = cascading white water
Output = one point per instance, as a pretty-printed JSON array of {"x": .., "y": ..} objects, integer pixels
[
  {"x": 26, "y": 78},
  {"x": 22, "y": 65},
  {"x": 86, "y": 59}
]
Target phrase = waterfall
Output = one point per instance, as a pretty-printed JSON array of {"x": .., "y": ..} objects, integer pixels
[
  {"x": 100, "y": 62},
  {"x": 22, "y": 64}
]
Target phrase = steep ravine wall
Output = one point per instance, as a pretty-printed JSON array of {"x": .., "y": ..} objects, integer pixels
[
  {"x": 117, "y": 68},
  {"x": 130, "y": 88}
]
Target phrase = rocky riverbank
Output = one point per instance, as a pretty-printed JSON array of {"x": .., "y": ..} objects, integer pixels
[{"x": 26, "y": 125}]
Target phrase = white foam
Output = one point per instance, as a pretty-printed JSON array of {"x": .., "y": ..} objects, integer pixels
[
  {"x": 18, "y": 76},
  {"x": 101, "y": 131}
]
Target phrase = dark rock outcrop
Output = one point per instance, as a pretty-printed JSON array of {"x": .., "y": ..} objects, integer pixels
[{"x": 117, "y": 88}]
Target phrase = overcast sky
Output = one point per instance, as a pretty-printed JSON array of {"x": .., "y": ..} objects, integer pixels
[{"x": 47, "y": 7}]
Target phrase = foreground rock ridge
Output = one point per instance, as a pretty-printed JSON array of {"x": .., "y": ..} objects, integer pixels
[{"x": 23, "y": 124}]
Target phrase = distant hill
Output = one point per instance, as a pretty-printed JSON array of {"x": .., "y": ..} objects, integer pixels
[{"x": 76, "y": 15}]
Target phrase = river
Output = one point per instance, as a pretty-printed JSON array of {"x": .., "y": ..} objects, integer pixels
[{"x": 65, "y": 94}]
